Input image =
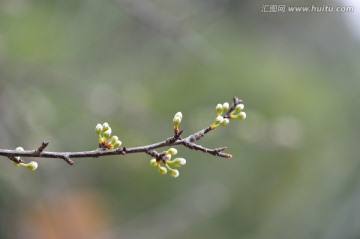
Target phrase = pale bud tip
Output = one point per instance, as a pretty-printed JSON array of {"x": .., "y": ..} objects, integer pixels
[
  {"x": 225, "y": 122},
  {"x": 107, "y": 133},
  {"x": 98, "y": 128},
  {"x": 178, "y": 162},
  {"x": 153, "y": 162},
  {"x": 242, "y": 115},
  {"x": 219, "y": 120},
  {"x": 225, "y": 106},
  {"x": 117, "y": 144},
  {"x": 105, "y": 126},
  {"x": 240, "y": 107},
  {"x": 32, "y": 165},
  {"x": 177, "y": 118},
  {"x": 172, "y": 151},
  {"x": 114, "y": 139},
  {"x": 174, "y": 173},
  {"x": 162, "y": 170},
  {"x": 179, "y": 114}
]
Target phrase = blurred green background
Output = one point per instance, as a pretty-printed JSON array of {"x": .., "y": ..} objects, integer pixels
[{"x": 67, "y": 65}]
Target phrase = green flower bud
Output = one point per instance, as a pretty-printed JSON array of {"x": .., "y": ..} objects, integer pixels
[
  {"x": 241, "y": 115},
  {"x": 225, "y": 106},
  {"x": 172, "y": 151},
  {"x": 174, "y": 173},
  {"x": 162, "y": 170},
  {"x": 21, "y": 149},
  {"x": 178, "y": 162},
  {"x": 107, "y": 133},
  {"x": 117, "y": 144},
  {"x": 98, "y": 128},
  {"x": 105, "y": 126},
  {"x": 219, "y": 120},
  {"x": 31, "y": 166},
  {"x": 239, "y": 108},
  {"x": 153, "y": 163},
  {"x": 225, "y": 122},
  {"x": 177, "y": 119},
  {"x": 219, "y": 109},
  {"x": 114, "y": 139},
  {"x": 179, "y": 114}
]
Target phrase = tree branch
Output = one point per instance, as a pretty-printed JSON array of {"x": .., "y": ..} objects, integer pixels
[{"x": 188, "y": 142}]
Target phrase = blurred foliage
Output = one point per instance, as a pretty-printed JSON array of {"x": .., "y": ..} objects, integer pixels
[{"x": 67, "y": 65}]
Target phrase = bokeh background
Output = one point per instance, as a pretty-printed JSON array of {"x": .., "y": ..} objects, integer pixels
[{"x": 67, "y": 65}]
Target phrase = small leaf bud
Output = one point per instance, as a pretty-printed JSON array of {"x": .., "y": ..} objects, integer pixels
[
  {"x": 174, "y": 173},
  {"x": 172, "y": 151},
  {"x": 98, "y": 128},
  {"x": 162, "y": 170},
  {"x": 225, "y": 106},
  {"x": 107, "y": 133},
  {"x": 153, "y": 163},
  {"x": 219, "y": 120},
  {"x": 105, "y": 126},
  {"x": 219, "y": 109}
]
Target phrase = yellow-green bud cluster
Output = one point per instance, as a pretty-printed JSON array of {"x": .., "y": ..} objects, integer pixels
[
  {"x": 238, "y": 112},
  {"x": 223, "y": 116},
  {"x": 31, "y": 166},
  {"x": 166, "y": 161},
  {"x": 104, "y": 132},
  {"x": 221, "y": 109}
]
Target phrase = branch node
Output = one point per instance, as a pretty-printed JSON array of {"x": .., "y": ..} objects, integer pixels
[
  {"x": 122, "y": 150},
  {"x": 41, "y": 148},
  {"x": 221, "y": 149},
  {"x": 236, "y": 100},
  {"x": 67, "y": 159},
  {"x": 153, "y": 153},
  {"x": 15, "y": 160}
]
